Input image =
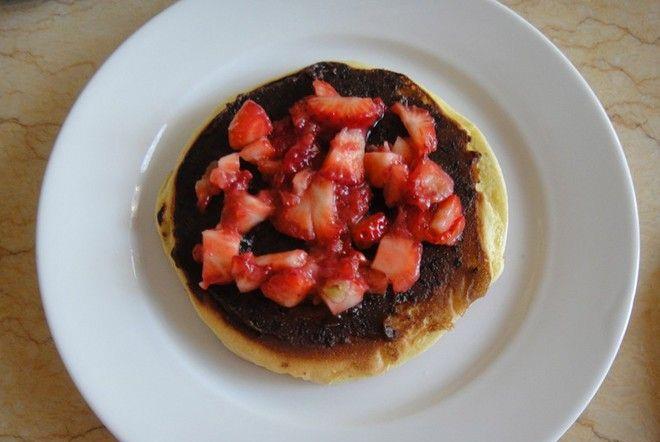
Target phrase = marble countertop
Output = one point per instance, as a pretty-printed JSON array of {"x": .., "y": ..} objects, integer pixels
[{"x": 50, "y": 49}]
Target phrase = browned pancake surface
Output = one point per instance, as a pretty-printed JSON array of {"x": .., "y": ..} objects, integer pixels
[{"x": 450, "y": 277}]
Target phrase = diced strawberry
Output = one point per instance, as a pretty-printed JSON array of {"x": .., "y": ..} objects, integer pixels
[
  {"x": 396, "y": 185},
  {"x": 444, "y": 226},
  {"x": 335, "y": 247},
  {"x": 324, "y": 89},
  {"x": 258, "y": 150},
  {"x": 451, "y": 236},
  {"x": 288, "y": 199},
  {"x": 399, "y": 258},
  {"x": 226, "y": 172},
  {"x": 295, "y": 220},
  {"x": 345, "y": 161},
  {"x": 243, "y": 211},
  {"x": 429, "y": 184},
  {"x": 205, "y": 189},
  {"x": 420, "y": 126},
  {"x": 353, "y": 202},
  {"x": 369, "y": 230},
  {"x": 242, "y": 180},
  {"x": 385, "y": 147},
  {"x": 321, "y": 194},
  {"x": 301, "y": 180},
  {"x": 219, "y": 246},
  {"x": 289, "y": 287},
  {"x": 300, "y": 155},
  {"x": 400, "y": 225},
  {"x": 247, "y": 273},
  {"x": 377, "y": 166},
  {"x": 417, "y": 222},
  {"x": 283, "y": 260},
  {"x": 355, "y": 255},
  {"x": 351, "y": 112},
  {"x": 299, "y": 114},
  {"x": 342, "y": 294},
  {"x": 403, "y": 147},
  {"x": 283, "y": 135},
  {"x": 335, "y": 266},
  {"x": 221, "y": 175},
  {"x": 269, "y": 168},
  {"x": 249, "y": 124},
  {"x": 447, "y": 212},
  {"x": 375, "y": 279}
]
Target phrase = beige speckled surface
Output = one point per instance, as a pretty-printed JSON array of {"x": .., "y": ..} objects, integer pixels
[{"x": 48, "y": 50}]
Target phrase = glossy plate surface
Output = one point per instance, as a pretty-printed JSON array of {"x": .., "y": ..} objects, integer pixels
[{"x": 520, "y": 365}]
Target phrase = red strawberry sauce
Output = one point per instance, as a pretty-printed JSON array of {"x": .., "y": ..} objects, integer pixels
[{"x": 360, "y": 244}]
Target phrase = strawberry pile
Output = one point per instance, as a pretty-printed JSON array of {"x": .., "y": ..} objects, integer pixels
[{"x": 321, "y": 175}]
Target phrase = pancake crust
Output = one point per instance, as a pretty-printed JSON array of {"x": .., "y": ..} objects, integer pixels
[{"x": 421, "y": 323}]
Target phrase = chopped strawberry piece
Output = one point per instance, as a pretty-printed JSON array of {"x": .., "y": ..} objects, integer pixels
[
  {"x": 226, "y": 172},
  {"x": 345, "y": 161},
  {"x": 385, "y": 147},
  {"x": 299, "y": 114},
  {"x": 326, "y": 200},
  {"x": 451, "y": 236},
  {"x": 395, "y": 187},
  {"x": 249, "y": 124},
  {"x": 403, "y": 147},
  {"x": 429, "y": 184},
  {"x": 258, "y": 150},
  {"x": 283, "y": 135},
  {"x": 288, "y": 199},
  {"x": 352, "y": 112},
  {"x": 247, "y": 273},
  {"x": 300, "y": 155},
  {"x": 269, "y": 168},
  {"x": 342, "y": 294},
  {"x": 353, "y": 202},
  {"x": 205, "y": 189},
  {"x": 447, "y": 212},
  {"x": 375, "y": 279},
  {"x": 343, "y": 286},
  {"x": 219, "y": 246},
  {"x": 344, "y": 268},
  {"x": 296, "y": 220},
  {"x": 337, "y": 247},
  {"x": 418, "y": 221},
  {"x": 283, "y": 260},
  {"x": 242, "y": 180},
  {"x": 399, "y": 258},
  {"x": 321, "y": 194},
  {"x": 420, "y": 126},
  {"x": 301, "y": 180},
  {"x": 289, "y": 287},
  {"x": 400, "y": 225},
  {"x": 369, "y": 230},
  {"x": 355, "y": 255},
  {"x": 243, "y": 211},
  {"x": 324, "y": 89},
  {"x": 220, "y": 175},
  {"x": 334, "y": 266},
  {"x": 377, "y": 166}
]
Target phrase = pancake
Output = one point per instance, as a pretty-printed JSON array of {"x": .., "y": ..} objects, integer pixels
[{"x": 383, "y": 331}]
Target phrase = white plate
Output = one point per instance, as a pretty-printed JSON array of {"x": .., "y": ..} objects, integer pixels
[{"x": 521, "y": 364}]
